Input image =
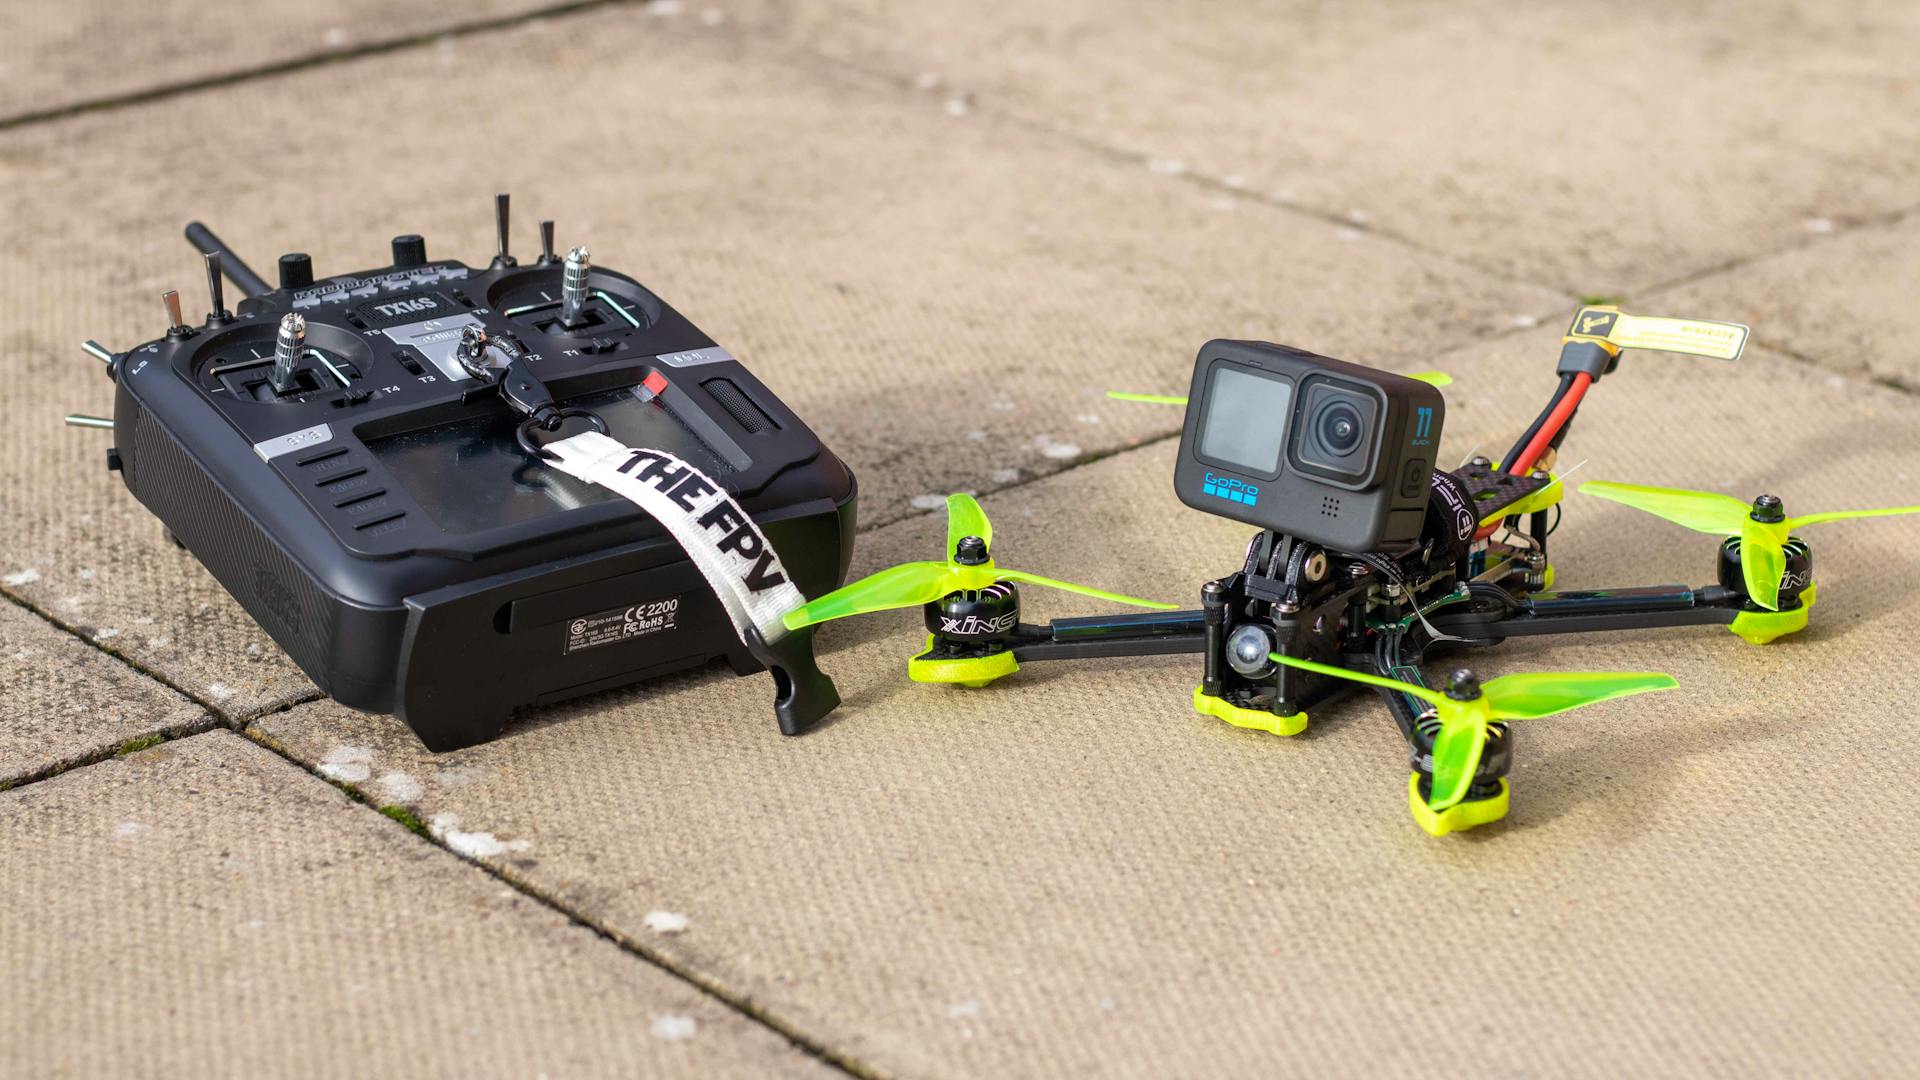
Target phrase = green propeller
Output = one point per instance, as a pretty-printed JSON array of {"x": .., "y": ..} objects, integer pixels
[
  {"x": 968, "y": 568},
  {"x": 1469, "y": 706},
  {"x": 1762, "y": 526},
  {"x": 1433, "y": 378}
]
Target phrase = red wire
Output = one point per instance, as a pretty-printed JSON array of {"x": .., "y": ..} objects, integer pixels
[{"x": 1556, "y": 420}]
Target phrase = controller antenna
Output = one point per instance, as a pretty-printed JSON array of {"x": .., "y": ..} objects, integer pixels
[
  {"x": 500, "y": 206},
  {"x": 217, "y": 312},
  {"x": 288, "y": 349},
  {"x": 573, "y": 286},
  {"x": 546, "y": 242}
]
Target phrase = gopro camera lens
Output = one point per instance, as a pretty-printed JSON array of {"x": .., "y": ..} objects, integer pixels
[
  {"x": 1340, "y": 427},
  {"x": 1336, "y": 437}
]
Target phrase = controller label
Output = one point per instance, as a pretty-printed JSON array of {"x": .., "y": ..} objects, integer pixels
[
  {"x": 390, "y": 311},
  {"x": 615, "y": 625}
]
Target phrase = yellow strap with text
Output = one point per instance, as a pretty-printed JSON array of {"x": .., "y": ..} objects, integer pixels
[{"x": 1614, "y": 330}]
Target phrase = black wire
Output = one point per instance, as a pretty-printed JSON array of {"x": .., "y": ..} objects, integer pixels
[
  {"x": 1556, "y": 519},
  {"x": 1566, "y": 383}
]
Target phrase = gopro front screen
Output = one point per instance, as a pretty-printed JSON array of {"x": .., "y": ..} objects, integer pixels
[{"x": 1246, "y": 419}]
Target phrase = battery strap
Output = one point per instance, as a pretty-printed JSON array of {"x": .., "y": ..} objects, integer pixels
[{"x": 739, "y": 563}]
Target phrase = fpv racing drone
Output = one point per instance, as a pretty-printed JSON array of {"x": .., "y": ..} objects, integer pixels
[{"x": 1368, "y": 556}]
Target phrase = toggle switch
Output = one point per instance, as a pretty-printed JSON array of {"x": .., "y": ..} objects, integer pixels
[
  {"x": 176, "y": 327},
  {"x": 217, "y": 312},
  {"x": 546, "y": 242},
  {"x": 500, "y": 208}
]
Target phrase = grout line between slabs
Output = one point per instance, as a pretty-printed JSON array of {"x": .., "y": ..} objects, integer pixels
[
  {"x": 212, "y": 719},
  {"x": 711, "y": 988},
  {"x": 233, "y": 76}
]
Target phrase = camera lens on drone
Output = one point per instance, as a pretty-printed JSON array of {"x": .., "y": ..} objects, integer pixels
[{"x": 1340, "y": 428}]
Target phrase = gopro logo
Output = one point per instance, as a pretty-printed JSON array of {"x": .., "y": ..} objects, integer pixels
[{"x": 1238, "y": 491}]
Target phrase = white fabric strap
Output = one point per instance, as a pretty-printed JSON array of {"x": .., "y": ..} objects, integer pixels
[{"x": 730, "y": 550}]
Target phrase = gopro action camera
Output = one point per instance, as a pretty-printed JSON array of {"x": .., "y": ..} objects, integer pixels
[{"x": 1319, "y": 449}]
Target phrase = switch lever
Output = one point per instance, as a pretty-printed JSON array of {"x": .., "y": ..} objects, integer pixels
[
  {"x": 546, "y": 242},
  {"x": 500, "y": 209},
  {"x": 217, "y": 313},
  {"x": 176, "y": 326}
]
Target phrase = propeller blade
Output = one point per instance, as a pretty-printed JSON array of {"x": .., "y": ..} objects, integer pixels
[
  {"x": 964, "y": 519},
  {"x": 1083, "y": 590},
  {"x": 1150, "y": 399},
  {"x": 1431, "y": 378},
  {"x": 1844, "y": 515},
  {"x": 1531, "y": 695},
  {"x": 907, "y": 585},
  {"x": 1701, "y": 511},
  {"x": 1456, "y": 756},
  {"x": 1432, "y": 697},
  {"x": 1763, "y": 561}
]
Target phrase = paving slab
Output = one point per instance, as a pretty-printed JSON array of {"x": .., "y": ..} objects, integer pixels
[
  {"x": 1845, "y": 302},
  {"x": 1601, "y": 152},
  {"x": 55, "y": 56},
  {"x": 944, "y": 297},
  {"x": 64, "y": 701},
  {"x": 205, "y": 907},
  {"x": 1071, "y": 873}
]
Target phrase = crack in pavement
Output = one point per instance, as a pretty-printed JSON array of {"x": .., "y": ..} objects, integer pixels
[
  {"x": 711, "y": 988},
  {"x": 323, "y": 58}
]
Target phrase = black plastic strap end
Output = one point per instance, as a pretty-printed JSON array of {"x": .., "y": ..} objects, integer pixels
[{"x": 803, "y": 694}]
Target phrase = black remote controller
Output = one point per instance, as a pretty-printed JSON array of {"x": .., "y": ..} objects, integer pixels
[{"x": 322, "y": 450}]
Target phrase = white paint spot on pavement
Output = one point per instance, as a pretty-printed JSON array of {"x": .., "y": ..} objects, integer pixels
[
  {"x": 1004, "y": 476},
  {"x": 666, "y": 7},
  {"x": 398, "y": 787},
  {"x": 347, "y": 764},
  {"x": 22, "y": 577},
  {"x": 1167, "y": 166},
  {"x": 220, "y": 691},
  {"x": 131, "y": 828},
  {"x": 474, "y": 845},
  {"x": 964, "y": 1010},
  {"x": 665, "y": 922},
  {"x": 958, "y": 105},
  {"x": 976, "y": 435},
  {"x": 674, "y": 1027},
  {"x": 1819, "y": 225},
  {"x": 105, "y": 633},
  {"x": 928, "y": 502},
  {"x": 86, "y": 575},
  {"x": 1524, "y": 321},
  {"x": 927, "y": 80},
  {"x": 1058, "y": 451},
  {"x": 160, "y": 642},
  {"x": 1088, "y": 418}
]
